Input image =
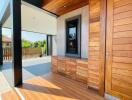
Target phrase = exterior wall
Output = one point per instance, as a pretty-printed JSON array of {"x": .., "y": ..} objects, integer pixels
[
  {"x": 54, "y": 45},
  {"x": 60, "y": 38},
  {"x": 73, "y": 68},
  {"x": 94, "y": 44},
  {"x": 97, "y": 36},
  {"x": 119, "y": 49}
]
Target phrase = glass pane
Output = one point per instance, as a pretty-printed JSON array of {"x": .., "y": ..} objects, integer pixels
[
  {"x": 72, "y": 42},
  {"x": 7, "y": 68},
  {"x": 2, "y": 2},
  {"x": 35, "y": 61}
]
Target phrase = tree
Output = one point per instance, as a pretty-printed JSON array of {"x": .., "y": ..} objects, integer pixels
[
  {"x": 37, "y": 44},
  {"x": 26, "y": 44}
]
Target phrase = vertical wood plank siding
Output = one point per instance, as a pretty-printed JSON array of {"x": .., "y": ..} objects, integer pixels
[{"x": 26, "y": 53}]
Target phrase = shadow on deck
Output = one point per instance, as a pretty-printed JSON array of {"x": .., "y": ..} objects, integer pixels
[
  {"x": 40, "y": 84},
  {"x": 56, "y": 87},
  {"x": 31, "y": 68}
]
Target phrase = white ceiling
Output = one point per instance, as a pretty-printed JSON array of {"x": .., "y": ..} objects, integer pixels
[{"x": 36, "y": 20}]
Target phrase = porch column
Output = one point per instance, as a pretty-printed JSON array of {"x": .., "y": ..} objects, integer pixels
[
  {"x": 99, "y": 23},
  {"x": 49, "y": 45},
  {"x": 16, "y": 39},
  {"x": 1, "y": 49}
]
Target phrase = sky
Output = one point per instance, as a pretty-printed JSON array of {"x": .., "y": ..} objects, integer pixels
[
  {"x": 30, "y": 36},
  {"x": 1, "y": 4}
]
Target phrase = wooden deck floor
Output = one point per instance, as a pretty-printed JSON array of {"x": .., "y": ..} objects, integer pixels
[
  {"x": 56, "y": 87},
  {"x": 10, "y": 95}
]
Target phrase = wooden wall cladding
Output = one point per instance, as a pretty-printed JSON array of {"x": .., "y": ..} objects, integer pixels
[
  {"x": 62, "y": 65},
  {"x": 94, "y": 44},
  {"x": 82, "y": 71},
  {"x": 54, "y": 61},
  {"x": 71, "y": 67},
  {"x": 119, "y": 49}
]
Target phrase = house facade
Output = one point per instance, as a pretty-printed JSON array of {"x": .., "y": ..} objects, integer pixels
[{"x": 92, "y": 44}]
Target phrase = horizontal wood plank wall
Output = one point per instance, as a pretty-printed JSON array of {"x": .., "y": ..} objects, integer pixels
[
  {"x": 82, "y": 71},
  {"x": 119, "y": 49},
  {"x": 61, "y": 65},
  {"x": 56, "y": 87},
  {"x": 72, "y": 68},
  {"x": 94, "y": 44},
  {"x": 54, "y": 61}
]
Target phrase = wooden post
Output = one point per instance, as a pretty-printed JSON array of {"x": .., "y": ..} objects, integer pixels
[
  {"x": 103, "y": 17},
  {"x": 97, "y": 25},
  {"x": 16, "y": 38},
  {"x": 1, "y": 49}
]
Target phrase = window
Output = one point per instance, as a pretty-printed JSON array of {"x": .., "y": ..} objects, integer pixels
[{"x": 73, "y": 37}]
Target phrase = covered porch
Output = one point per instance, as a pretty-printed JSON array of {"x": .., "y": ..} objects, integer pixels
[
  {"x": 90, "y": 44},
  {"x": 32, "y": 67},
  {"x": 53, "y": 87}
]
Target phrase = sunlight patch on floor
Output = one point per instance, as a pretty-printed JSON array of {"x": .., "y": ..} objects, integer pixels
[{"x": 4, "y": 86}]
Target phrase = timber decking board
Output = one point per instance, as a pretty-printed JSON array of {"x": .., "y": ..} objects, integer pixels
[
  {"x": 11, "y": 95},
  {"x": 56, "y": 87}
]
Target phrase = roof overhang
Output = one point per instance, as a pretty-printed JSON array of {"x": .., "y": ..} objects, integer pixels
[
  {"x": 37, "y": 3},
  {"x": 5, "y": 12},
  {"x": 35, "y": 19}
]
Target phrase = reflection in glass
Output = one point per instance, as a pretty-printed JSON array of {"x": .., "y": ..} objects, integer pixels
[{"x": 72, "y": 37}]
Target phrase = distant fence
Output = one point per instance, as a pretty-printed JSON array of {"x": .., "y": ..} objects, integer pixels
[{"x": 26, "y": 53}]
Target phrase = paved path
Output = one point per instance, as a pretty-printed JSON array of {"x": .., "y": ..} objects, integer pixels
[
  {"x": 4, "y": 86},
  {"x": 31, "y": 68}
]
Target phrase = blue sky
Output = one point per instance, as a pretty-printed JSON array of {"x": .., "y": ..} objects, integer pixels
[
  {"x": 31, "y": 36},
  {"x": 1, "y": 4}
]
